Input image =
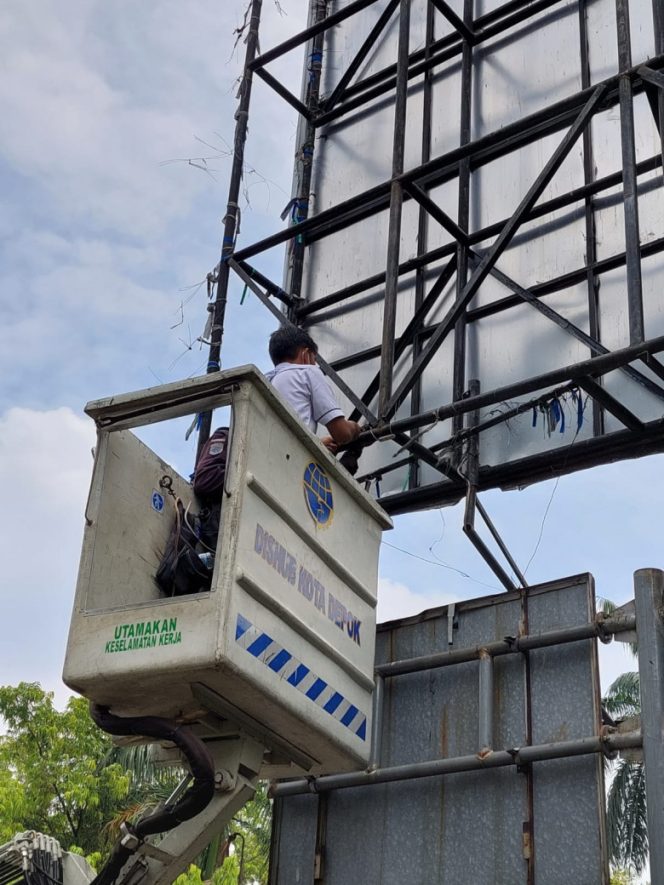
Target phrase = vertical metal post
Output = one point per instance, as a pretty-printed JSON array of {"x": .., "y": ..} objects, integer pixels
[
  {"x": 459, "y": 370},
  {"x": 658, "y": 26},
  {"x": 396, "y": 204},
  {"x": 305, "y": 156},
  {"x": 630, "y": 195},
  {"x": 231, "y": 217},
  {"x": 422, "y": 224},
  {"x": 649, "y": 598},
  {"x": 472, "y": 477},
  {"x": 377, "y": 721},
  {"x": 592, "y": 280},
  {"x": 486, "y": 701}
]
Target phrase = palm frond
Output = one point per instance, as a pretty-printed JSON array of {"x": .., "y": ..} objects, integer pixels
[
  {"x": 622, "y": 697},
  {"x": 605, "y": 605},
  {"x": 626, "y": 817}
]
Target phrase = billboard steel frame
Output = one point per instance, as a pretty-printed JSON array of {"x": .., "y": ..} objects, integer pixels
[
  {"x": 645, "y": 614},
  {"x": 571, "y": 116}
]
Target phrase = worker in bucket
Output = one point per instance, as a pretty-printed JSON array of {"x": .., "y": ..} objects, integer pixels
[{"x": 304, "y": 387}]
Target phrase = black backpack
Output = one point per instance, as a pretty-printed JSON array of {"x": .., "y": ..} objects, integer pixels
[
  {"x": 181, "y": 571},
  {"x": 210, "y": 472}
]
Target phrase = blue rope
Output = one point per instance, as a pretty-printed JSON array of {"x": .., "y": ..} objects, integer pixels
[
  {"x": 299, "y": 210},
  {"x": 227, "y": 248},
  {"x": 213, "y": 366},
  {"x": 315, "y": 57}
]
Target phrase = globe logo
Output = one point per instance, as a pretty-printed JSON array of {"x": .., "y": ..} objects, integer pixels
[{"x": 318, "y": 494}]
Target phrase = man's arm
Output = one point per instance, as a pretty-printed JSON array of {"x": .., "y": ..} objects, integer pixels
[{"x": 341, "y": 432}]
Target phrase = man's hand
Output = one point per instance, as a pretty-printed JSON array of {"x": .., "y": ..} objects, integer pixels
[{"x": 330, "y": 444}]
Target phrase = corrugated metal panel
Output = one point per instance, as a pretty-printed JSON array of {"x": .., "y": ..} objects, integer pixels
[{"x": 467, "y": 829}]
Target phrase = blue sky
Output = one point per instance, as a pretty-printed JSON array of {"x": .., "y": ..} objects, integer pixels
[{"x": 106, "y": 232}]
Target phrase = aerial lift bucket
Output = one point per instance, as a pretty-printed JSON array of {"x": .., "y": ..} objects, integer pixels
[{"x": 282, "y": 645}]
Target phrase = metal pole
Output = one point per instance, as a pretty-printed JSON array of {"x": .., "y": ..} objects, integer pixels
[
  {"x": 422, "y": 231},
  {"x": 601, "y": 627},
  {"x": 437, "y": 767},
  {"x": 377, "y": 722},
  {"x": 472, "y": 478},
  {"x": 630, "y": 195},
  {"x": 305, "y": 154},
  {"x": 592, "y": 279},
  {"x": 232, "y": 207},
  {"x": 396, "y": 203},
  {"x": 459, "y": 369},
  {"x": 649, "y": 597},
  {"x": 593, "y": 367},
  {"x": 486, "y": 702},
  {"x": 658, "y": 24}
]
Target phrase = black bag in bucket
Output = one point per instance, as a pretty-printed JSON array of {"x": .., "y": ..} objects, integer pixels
[{"x": 181, "y": 571}]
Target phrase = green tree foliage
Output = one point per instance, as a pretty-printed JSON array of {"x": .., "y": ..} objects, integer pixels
[
  {"x": 254, "y": 826},
  {"x": 61, "y": 775},
  {"x": 52, "y": 774},
  {"x": 622, "y": 877},
  {"x": 626, "y": 803},
  {"x": 227, "y": 874}
]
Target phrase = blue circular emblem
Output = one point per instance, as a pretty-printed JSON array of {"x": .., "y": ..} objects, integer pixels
[
  {"x": 157, "y": 502},
  {"x": 318, "y": 494}
]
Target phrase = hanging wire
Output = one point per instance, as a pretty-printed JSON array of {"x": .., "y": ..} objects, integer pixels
[
  {"x": 441, "y": 564},
  {"x": 555, "y": 486}
]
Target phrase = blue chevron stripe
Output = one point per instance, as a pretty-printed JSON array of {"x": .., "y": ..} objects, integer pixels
[{"x": 262, "y": 647}]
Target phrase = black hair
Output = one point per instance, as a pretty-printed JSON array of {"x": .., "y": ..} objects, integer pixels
[{"x": 286, "y": 341}]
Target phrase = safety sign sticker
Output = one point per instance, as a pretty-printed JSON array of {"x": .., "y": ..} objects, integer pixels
[{"x": 297, "y": 674}]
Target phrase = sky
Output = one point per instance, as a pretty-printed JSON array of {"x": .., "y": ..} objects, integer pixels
[{"x": 114, "y": 163}]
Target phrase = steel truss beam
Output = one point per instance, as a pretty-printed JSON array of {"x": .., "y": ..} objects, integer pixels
[
  {"x": 444, "y": 168},
  {"x": 353, "y": 92},
  {"x": 484, "y": 267}
]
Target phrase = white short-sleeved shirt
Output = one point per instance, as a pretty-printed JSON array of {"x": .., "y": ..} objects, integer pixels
[{"x": 308, "y": 391}]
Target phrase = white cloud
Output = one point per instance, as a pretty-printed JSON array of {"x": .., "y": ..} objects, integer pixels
[
  {"x": 396, "y": 600},
  {"x": 45, "y": 466},
  {"x": 93, "y": 101}
]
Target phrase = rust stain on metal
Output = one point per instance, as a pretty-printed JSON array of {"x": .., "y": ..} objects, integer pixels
[
  {"x": 561, "y": 733},
  {"x": 444, "y": 738},
  {"x": 527, "y": 845},
  {"x": 484, "y": 753}
]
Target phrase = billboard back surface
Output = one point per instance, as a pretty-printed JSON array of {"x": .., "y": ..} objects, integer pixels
[{"x": 478, "y": 198}]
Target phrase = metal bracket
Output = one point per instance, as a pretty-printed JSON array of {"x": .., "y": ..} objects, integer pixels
[
  {"x": 452, "y": 622},
  {"x": 238, "y": 762}
]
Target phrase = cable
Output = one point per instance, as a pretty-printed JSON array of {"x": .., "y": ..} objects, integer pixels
[
  {"x": 553, "y": 492},
  {"x": 541, "y": 531},
  {"x": 442, "y": 534},
  {"x": 441, "y": 564},
  {"x": 41, "y": 870}
]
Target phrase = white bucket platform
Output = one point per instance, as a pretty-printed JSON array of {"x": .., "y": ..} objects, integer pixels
[{"x": 283, "y": 644}]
